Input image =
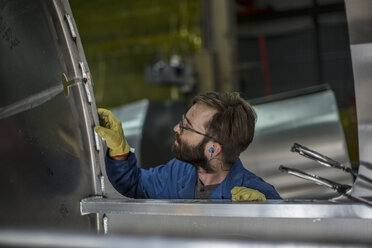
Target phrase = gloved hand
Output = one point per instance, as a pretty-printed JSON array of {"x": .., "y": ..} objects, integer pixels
[
  {"x": 110, "y": 129},
  {"x": 246, "y": 194}
]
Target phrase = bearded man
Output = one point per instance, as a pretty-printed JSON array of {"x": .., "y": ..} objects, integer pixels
[{"x": 208, "y": 142}]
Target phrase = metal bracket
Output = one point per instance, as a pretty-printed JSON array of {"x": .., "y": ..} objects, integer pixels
[
  {"x": 66, "y": 84},
  {"x": 96, "y": 139},
  {"x": 85, "y": 81},
  {"x": 71, "y": 26},
  {"x": 105, "y": 224},
  {"x": 83, "y": 72},
  {"x": 102, "y": 180}
]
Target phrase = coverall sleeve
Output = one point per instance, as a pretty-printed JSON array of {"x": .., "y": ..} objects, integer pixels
[{"x": 132, "y": 181}]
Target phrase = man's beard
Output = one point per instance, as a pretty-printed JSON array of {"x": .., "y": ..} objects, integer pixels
[{"x": 193, "y": 155}]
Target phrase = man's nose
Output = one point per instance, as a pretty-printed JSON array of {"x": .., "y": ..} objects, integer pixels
[{"x": 176, "y": 128}]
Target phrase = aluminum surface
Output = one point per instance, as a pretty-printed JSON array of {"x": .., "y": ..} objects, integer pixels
[
  {"x": 360, "y": 25},
  {"x": 294, "y": 221},
  {"x": 226, "y": 208},
  {"x": 358, "y": 13},
  {"x": 48, "y": 158},
  {"x": 311, "y": 120},
  {"x": 22, "y": 238}
]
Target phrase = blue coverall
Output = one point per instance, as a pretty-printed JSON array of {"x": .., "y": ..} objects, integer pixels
[{"x": 177, "y": 180}]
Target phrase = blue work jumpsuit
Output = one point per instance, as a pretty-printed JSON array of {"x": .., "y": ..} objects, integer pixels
[{"x": 177, "y": 180}]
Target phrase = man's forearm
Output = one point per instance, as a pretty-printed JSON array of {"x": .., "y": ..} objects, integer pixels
[
  {"x": 122, "y": 173},
  {"x": 124, "y": 158}
]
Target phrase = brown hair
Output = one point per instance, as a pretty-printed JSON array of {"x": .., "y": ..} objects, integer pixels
[{"x": 232, "y": 125}]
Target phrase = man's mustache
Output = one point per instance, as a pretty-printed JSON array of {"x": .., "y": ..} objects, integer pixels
[{"x": 177, "y": 138}]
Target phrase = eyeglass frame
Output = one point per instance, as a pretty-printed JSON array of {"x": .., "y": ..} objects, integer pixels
[{"x": 182, "y": 127}]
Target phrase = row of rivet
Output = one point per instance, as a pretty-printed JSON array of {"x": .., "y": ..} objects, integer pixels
[{"x": 89, "y": 97}]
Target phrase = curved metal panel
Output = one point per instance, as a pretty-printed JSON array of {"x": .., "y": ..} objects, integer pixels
[
  {"x": 360, "y": 26},
  {"x": 49, "y": 157},
  {"x": 311, "y": 120}
]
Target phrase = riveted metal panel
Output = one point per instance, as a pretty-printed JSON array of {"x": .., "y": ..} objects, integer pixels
[{"x": 48, "y": 160}]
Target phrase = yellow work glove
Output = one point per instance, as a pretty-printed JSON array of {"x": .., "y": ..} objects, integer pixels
[
  {"x": 246, "y": 194},
  {"x": 110, "y": 129}
]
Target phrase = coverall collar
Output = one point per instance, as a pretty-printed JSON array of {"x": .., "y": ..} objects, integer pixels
[{"x": 188, "y": 183}]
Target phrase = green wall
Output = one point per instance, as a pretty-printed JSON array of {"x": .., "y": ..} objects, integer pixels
[{"x": 120, "y": 38}]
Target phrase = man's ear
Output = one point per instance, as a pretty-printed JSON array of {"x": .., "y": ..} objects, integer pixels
[{"x": 213, "y": 148}]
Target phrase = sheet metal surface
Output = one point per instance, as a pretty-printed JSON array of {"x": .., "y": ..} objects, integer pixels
[
  {"x": 360, "y": 26},
  {"x": 311, "y": 120},
  {"x": 48, "y": 157},
  {"x": 304, "y": 209},
  {"x": 40, "y": 238},
  {"x": 293, "y": 221}
]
